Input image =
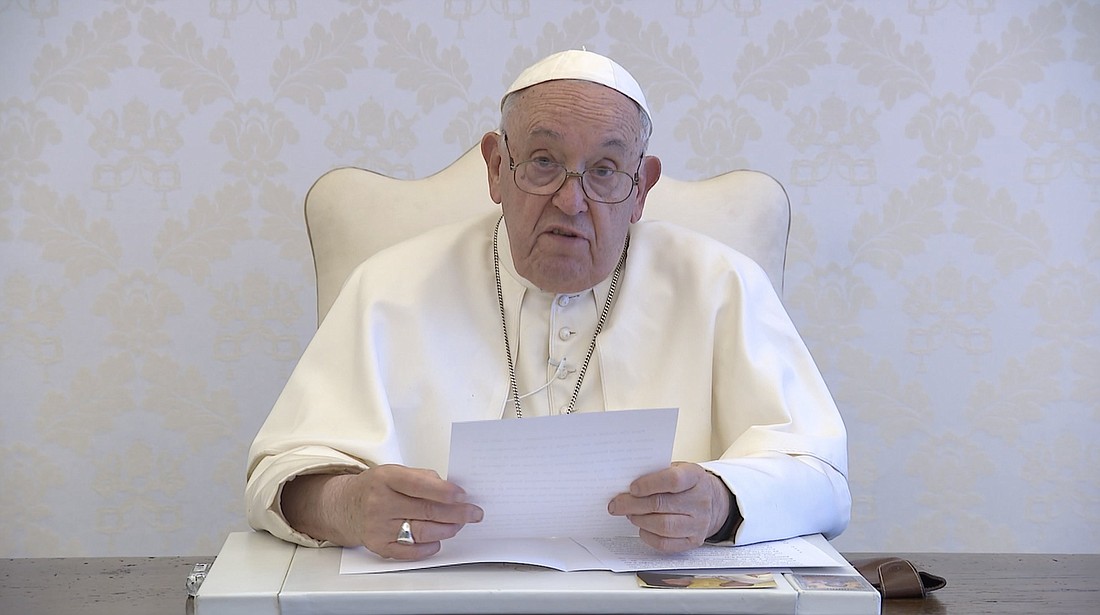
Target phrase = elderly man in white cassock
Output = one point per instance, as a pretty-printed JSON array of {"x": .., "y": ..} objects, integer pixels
[{"x": 563, "y": 303}]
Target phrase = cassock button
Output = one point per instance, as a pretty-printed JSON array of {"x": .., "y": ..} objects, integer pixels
[{"x": 565, "y": 333}]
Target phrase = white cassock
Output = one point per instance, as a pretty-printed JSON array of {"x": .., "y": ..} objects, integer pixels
[{"x": 414, "y": 343}]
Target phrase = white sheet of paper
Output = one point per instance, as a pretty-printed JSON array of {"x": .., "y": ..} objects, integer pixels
[
  {"x": 618, "y": 554},
  {"x": 628, "y": 554},
  {"x": 563, "y": 554},
  {"x": 553, "y": 476}
]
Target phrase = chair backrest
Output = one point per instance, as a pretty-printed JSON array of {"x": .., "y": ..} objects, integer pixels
[{"x": 353, "y": 213}]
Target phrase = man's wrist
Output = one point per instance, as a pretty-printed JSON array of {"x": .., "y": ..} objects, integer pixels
[
  {"x": 310, "y": 505},
  {"x": 733, "y": 521}
]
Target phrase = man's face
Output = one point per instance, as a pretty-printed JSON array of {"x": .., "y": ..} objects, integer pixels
[{"x": 566, "y": 242}]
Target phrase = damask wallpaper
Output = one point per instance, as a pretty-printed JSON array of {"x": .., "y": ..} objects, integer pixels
[{"x": 942, "y": 157}]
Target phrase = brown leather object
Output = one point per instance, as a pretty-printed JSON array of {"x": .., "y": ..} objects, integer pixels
[{"x": 895, "y": 577}]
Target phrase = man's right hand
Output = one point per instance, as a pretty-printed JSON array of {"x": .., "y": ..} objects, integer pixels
[{"x": 368, "y": 509}]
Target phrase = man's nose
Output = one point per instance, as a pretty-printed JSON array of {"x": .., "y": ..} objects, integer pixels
[{"x": 570, "y": 198}]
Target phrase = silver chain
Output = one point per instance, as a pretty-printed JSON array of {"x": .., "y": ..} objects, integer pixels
[{"x": 513, "y": 387}]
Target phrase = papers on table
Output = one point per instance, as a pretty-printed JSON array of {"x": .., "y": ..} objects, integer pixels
[
  {"x": 544, "y": 484},
  {"x": 618, "y": 554},
  {"x": 629, "y": 553}
]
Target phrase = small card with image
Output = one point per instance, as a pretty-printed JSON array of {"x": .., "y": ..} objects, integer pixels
[{"x": 706, "y": 580}]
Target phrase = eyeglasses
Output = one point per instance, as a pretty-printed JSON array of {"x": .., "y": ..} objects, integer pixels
[{"x": 543, "y": 177}]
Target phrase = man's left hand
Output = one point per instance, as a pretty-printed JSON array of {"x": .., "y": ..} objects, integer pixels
[{"x": 675, "y": 509}]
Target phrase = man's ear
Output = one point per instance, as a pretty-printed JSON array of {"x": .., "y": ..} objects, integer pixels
[
  {"x": 648, "y": 174},
  {"x": 490, "y": 151}
]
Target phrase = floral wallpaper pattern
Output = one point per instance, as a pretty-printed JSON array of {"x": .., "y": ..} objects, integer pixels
[{"x": 156, "y": 285}]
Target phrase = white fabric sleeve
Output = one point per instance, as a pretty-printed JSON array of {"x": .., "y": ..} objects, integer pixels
[
  {"x": 785, "y": 495},
  {"x": 263, "y": 492}
]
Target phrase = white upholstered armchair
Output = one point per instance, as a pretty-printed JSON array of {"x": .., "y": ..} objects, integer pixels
[{"x": 353, "y": 213}]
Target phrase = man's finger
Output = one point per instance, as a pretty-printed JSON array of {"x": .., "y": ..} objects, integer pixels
[
  {"x": 423, "y": 495},
  {"x": 675, "y": 479},
  {"x": 428, "y": 510},
  {"x": 398, "y": 551},
  {"x": 425, "y": 532},
  {"x": 667, "y": 544},
  {"x": 422, "y": 484},
  {"x": 666, "y": 526},
  {"x": 625, "y": 504}
]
